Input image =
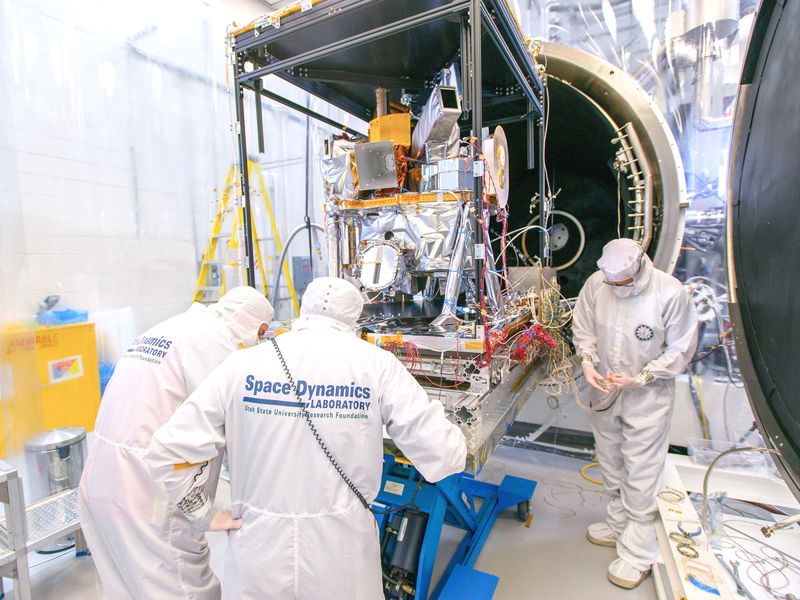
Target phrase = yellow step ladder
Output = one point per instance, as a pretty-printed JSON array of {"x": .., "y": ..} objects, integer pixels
[{"x": 208, "y": 290}]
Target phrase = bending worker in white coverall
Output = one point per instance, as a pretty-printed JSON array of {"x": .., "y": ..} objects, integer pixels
[
  {"x": 305, "y": 534},
  {"x": 143, "y": 547},
  {"x": 635, "y": 329}
]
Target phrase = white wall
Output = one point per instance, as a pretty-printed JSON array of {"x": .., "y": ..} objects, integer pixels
[
  {"x": 110, "y": 192},
  {"x": 114, "y": 141}
]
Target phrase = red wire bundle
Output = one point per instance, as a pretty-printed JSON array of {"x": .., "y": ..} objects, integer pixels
[
  {"x": 534, "y": 340},
  {"x": 503, "y": 216},
  {"x": 492, "y": 342},
  {"x": 544, "y": 336},
  {"x": 408, "y": 354}
]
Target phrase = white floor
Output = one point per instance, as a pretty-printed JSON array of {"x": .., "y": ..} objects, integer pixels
[{"x": 551, "y": 559}]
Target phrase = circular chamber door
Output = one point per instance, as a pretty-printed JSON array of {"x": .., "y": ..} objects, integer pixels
[
  {"x": 763, "y": 213},
  {"x": 613, "y": 167}
]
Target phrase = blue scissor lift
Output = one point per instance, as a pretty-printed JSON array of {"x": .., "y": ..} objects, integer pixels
[{"x": 459, "y": 501}]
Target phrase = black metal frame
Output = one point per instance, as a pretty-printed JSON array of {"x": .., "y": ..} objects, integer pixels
[{"x": 476, "y": 15}]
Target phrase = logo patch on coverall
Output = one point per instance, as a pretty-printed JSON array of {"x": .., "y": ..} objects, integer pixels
[
  {"x": 149, "y": 349},
  {"x": 351, "y": 401},
  {"x": 644, "y": 333}
]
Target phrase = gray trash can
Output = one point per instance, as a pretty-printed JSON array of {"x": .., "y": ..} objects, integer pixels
[{"x": 55, "y": 460}]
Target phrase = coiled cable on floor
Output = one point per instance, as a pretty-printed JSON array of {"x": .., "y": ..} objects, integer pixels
[{"x": 585, "y": 468}]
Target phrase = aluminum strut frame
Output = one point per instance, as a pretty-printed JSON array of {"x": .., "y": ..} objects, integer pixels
[{"x": 253, "y": 60}]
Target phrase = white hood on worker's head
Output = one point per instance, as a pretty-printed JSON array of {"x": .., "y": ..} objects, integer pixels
[
  {"x": 330, "y": 300},
  {"x": 640, "y": 281},
  {"x": 625, "y": 259},
  {"x": 621, "y": 259},
  {"x": 243, "y": 310}
]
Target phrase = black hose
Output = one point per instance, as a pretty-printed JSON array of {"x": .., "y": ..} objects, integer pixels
[
  {"x": 56, "y": 551},
  {"x": 307, "y": 219},
  {"x": 385, "y": 540}
]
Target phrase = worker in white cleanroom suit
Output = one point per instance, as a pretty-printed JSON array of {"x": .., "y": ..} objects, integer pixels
[
  {"x": 305, "y": 534},
  {"x": 143, "y": 547},
  {"x": 635, "y": 329}
]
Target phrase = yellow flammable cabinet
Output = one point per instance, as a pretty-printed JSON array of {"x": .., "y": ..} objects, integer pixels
[
  {"x": 70, "y": 382},
  {"x": 19, "y": 388}
]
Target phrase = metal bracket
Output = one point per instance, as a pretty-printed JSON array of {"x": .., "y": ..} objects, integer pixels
[{"x": 274, "y": 20}]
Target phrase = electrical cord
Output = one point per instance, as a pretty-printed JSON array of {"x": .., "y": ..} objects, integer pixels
[
  {"x": 585, "y": 468},
  {"x": 696, "y": 391},
  {"x": 689, "y": 534},
  {"x": 687, "y": 550},
  {"x": 328, "y": 454},
  {"x": 671, "y": 495},
  {"x": 766, "y": 566},
  {"x": 716, "y": 308},
  {"x": 55, "y": 551},
  {"x": 307, "y": 217},
  {"x": 793, "y": 559},
  {"x": 197, "y": 496},
  {"x": 619, "y": 206},
  {"x": 559, "y": 494},
  {"x": 694, "y": 580},
  {"x": 782, "y": 524},
  {"x": 680, "y": 538}
]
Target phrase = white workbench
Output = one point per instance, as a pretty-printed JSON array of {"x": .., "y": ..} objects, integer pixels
[{"x": 670, "y": 576}]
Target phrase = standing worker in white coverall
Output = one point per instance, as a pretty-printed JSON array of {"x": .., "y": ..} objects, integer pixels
[
  {"x": 305, "y": 535},
  {"x": 635, "y": 329},
  {"x": 143, "y": 547}
]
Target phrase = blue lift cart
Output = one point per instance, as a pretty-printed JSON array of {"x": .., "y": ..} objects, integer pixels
[
  {"x": 461, "y": 501},
  {"x": 458, "y": 501}
]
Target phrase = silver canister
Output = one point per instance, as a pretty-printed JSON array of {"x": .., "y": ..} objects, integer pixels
[
  {"x": 452, "y": 174},
  {"x": 55, "y": 461}
]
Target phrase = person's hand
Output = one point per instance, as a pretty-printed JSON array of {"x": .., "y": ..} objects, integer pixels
[
  {"x": 224, "y": 521},
  {"x": 593, "y": 378},
  {"x": 625, "y": 382}
]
